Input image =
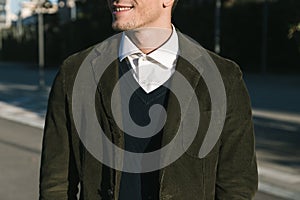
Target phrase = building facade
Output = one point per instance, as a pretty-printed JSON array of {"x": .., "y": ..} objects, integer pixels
[{"x": 6, "y": 17}]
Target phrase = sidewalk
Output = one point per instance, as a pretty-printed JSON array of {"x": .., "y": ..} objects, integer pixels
[{"x": 276, "y": 116}]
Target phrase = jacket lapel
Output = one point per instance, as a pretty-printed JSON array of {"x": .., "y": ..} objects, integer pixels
[
  {"x": 106, "y": 68},
  {"x": 186, "y": 66}
]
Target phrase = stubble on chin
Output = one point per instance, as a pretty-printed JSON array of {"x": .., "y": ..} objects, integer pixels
[
  {"x": 126, "y": 25},
  {"x": 122, "y": 26}
]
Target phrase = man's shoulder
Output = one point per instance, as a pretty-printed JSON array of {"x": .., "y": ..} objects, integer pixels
[
  {"x": 74, "y": 61},
  {"x": 78, "y": 57},
  {"x": 226, "y": 66}
]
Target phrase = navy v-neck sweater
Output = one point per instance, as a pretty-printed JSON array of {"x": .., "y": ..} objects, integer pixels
[{"x": 141, "y": 186}]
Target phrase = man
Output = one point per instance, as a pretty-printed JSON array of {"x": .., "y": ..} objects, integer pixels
[{"x": 151, "y": 55}]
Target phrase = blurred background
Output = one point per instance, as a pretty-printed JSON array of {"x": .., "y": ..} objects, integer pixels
[{"x": 262, "y": 36}]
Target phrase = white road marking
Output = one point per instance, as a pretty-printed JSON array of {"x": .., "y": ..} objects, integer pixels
[
  {"x": 280, "y": 116},
  {"x": 279, "y": 175},
  {"x": 5, "y": 87},
  {"x": 276, "y": 191}
]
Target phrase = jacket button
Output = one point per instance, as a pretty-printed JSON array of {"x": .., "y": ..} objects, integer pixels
[{"x": 110, "y": 193}]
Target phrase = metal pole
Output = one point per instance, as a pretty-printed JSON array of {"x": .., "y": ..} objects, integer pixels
[
  {"x": 217, "y": 25},
  {"x": 41, "y": 48},
  {"x": 74, "y": 13},
  {"x": 8, "y": 20},
  {"x": 1, "y": 43},
  {"x": 72, "y": 5},
  {"x": 264, "y": 48}
]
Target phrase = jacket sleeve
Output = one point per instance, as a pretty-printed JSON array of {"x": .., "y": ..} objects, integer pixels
[
  {"x": 58, "y": 174},
  {"x": 237, "y": 176}
]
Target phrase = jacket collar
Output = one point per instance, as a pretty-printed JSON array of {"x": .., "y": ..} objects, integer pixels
[
  {"x": 106, "y": 54},
  {"x": 165, "y": 54}
]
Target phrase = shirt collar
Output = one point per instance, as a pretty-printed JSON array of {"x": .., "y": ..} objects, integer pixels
[{"x": 166, "y": 54}]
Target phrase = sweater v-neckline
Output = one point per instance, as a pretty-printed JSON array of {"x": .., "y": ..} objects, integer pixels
[{"x": 147, "y": 98}]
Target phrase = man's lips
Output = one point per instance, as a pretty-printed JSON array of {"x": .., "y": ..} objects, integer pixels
[{"x": 120, "y": 8}]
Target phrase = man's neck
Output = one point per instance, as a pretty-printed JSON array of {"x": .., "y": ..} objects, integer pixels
[{"x": 149, "y": 39}]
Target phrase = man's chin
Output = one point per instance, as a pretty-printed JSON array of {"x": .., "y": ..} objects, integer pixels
[
  {"x": 121, "y": 27},
  {"x": 117, "y": 28}
]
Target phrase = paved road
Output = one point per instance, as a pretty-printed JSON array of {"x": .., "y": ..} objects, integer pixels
[
  {"x": 274, "y": 92},
  {"x": 20, "y": 162},
  {"x": 20, "y": 159}
]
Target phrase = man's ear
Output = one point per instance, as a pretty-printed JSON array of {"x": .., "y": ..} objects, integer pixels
[{"x": 168, "y": 3}]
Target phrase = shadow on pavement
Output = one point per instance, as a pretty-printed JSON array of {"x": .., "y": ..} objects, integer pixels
[{"x": 279, "y": 141}]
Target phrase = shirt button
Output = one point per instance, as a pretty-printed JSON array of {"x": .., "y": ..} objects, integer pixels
[{"x": 110, "y": 193}]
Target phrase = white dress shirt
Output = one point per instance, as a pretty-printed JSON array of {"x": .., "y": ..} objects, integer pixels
[{"x": 154, "y": 69}]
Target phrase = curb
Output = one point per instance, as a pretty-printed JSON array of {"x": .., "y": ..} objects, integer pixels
[{"x": 21, "y": 115}]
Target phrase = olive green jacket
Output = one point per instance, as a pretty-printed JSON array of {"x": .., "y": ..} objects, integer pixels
[{"x": 228, "y": 172}]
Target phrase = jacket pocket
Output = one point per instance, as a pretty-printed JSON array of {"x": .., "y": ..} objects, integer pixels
[
  {"x": 209, "y": 162},
  {"x": 192, "y": 142}
]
